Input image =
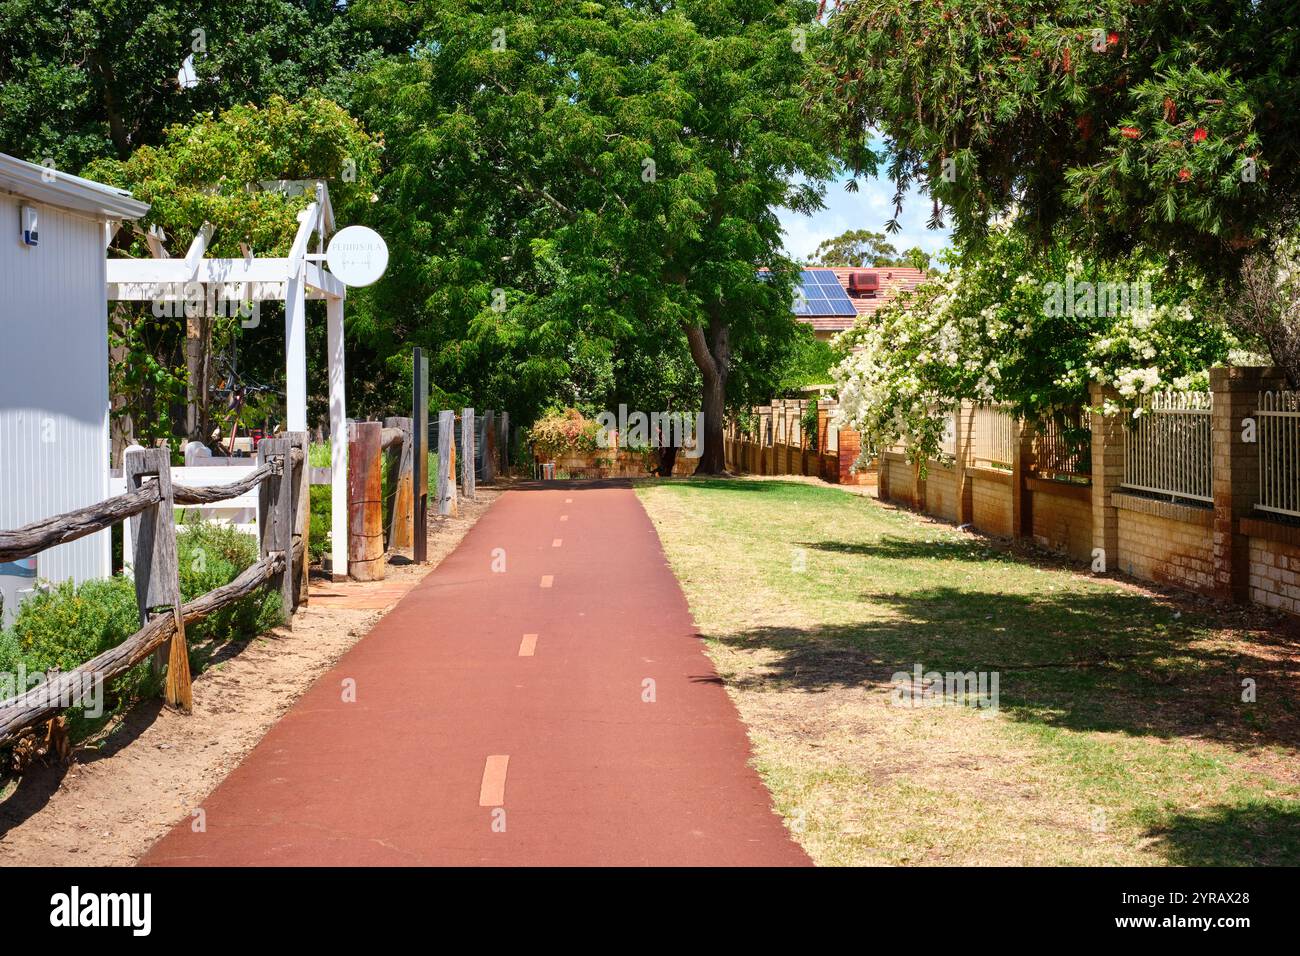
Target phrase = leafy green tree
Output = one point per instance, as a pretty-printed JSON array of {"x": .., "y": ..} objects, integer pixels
[
  {"x": 917, "y": 258},
  {"x": 1165, "y": 122},
  {"x": 569, "y": 171},
  {"x": 81, "y": 79},
  {"x": 811, "y": 363},
  {"x": 855, "y": 248},
  {"x": 211, "y": 170}
]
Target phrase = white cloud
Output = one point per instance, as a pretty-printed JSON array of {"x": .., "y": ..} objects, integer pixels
[{"x": 868, "y": 208}]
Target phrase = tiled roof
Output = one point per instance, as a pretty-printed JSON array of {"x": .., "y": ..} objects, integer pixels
[{"x": 893, "y": 280}]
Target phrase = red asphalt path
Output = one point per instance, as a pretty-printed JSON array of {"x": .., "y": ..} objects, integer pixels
[{"x": 595, "y": 774}]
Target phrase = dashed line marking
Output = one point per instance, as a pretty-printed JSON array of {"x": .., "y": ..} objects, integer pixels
[
  {"x": 568, "y": 501},
  {"x": 528, "y": 645},
  {"x": 548, "y": 580},
  {"x": 557, "y": 542},
  {"x": 564, "y": 517},
  {"x": 492, "y": 791}
]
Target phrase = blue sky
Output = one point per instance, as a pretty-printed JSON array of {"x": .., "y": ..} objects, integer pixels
[{"x": 868, "y": 208}]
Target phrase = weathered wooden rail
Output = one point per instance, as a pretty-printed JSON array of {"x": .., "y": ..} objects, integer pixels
[{"x": 283, "y": 526}]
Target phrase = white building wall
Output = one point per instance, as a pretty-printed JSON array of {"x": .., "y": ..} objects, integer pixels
[{"x": 53, "y": 382}]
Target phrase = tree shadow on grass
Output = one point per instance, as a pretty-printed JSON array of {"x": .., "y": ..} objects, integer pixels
[
  {"x": 1086, "y": 660},
  {"x": 961, "y": 548},
  {"x": 1262, "y": 833}
]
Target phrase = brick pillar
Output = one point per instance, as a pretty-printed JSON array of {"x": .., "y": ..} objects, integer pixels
[
  {"x": 850, "y": 445},
  {"x": 823, "y": 440},
  {"x": 1107, "y": 473},
  {"x": 965, "y": 436},
  {"x": 1022, "y": 466},
  {"x": 1235, "y": 476}
]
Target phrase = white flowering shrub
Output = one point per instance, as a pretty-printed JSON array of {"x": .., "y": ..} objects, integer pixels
[{"x": 1027, "y": 327}]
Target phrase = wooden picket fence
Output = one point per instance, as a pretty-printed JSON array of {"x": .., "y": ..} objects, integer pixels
[
  {"x": 776, "y": 444},
  {"x": 281, "y": 479}
]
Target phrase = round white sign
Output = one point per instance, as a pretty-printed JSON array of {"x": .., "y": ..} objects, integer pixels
[{"x": 357, "y": 255}]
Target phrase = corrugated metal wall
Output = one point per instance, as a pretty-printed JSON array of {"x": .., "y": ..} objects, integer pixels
[{"x": 53, "y": 382}]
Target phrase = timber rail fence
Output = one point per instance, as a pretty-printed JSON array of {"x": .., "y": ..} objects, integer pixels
[{"x": 281, "y": 477}]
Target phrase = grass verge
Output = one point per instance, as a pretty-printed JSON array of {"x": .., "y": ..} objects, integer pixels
[{"x": 1120, "y": 737}]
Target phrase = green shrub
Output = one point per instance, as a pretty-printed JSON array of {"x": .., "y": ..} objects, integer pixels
[
  {"x": 318, "y": 542},
  {"x": 210, "y": 555},
  {"x": 10, "y": 653},
  {"x": 319, "y": 454},
  {"x": 69, "y": 624}
]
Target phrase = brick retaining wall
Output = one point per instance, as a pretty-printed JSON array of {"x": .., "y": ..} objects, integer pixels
[{"x": 1165, "y": 542}]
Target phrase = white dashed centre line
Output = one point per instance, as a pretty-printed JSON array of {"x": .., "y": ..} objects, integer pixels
[{"x": 492, "y": 791}]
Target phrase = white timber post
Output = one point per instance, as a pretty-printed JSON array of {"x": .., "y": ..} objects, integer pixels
[
  {"x": 295, "y": 350},
  {"x": 338, "y": 442}
]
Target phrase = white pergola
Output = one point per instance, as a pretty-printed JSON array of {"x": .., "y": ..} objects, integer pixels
[{"x": 292, "y": 280}]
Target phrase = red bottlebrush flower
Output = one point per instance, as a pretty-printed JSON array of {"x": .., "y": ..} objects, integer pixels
[
  {"x": 1184, "y": 174},
  {"x": 1199, "y": 134},
  {"x": 1065, "y": 59},
  {"x": 1112, "y": 38},
  {"x": 1130, "y": 132}
]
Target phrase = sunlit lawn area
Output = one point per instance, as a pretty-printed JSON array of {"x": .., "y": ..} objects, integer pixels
[{"x": 1121, "y": 735}]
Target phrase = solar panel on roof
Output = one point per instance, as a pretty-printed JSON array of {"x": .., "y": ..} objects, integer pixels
[{"x": 820, "y": 294}]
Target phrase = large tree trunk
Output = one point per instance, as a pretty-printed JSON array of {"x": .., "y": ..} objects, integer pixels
[
  {"x": 116, "y": 126},
  {"x": 711, "y": 351},
  {"x": 714, "y": 459}
]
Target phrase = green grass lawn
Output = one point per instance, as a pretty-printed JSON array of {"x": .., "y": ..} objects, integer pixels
[{"x": 1121, "y": 736}]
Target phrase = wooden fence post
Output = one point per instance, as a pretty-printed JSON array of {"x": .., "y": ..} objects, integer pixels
[
  {"x": 156, "y": 572},
  {"x": 446, "y": 462},
  {"x": 503, "y": 442},
  {"x": 420, "y": 457},
  {"x": 302, "y": 513},
  {"x": 489, "y": 446},
  {"x": 365, "y": 503},
  {"x": 467, "y": 452},
  {"x": 275, "y": 515},
  {"x": 402, "y": 463}
]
